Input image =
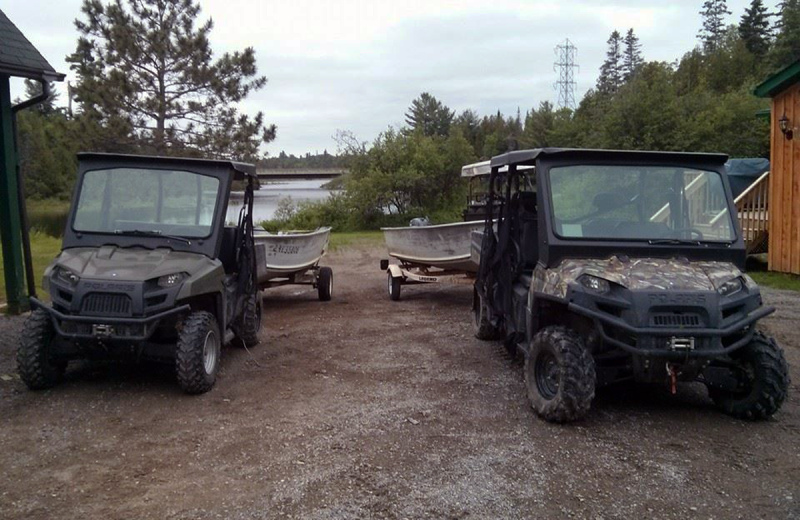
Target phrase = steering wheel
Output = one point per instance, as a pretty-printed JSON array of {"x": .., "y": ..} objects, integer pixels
[{"x": 692, "y": 232}]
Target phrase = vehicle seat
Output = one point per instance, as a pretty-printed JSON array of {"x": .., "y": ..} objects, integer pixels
[{"x": 227, "y": 251}]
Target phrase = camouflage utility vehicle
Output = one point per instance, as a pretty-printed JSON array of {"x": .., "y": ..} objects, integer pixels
[
  {"x": 606, "y": 266},
  {"x": 148, "y": 269}
]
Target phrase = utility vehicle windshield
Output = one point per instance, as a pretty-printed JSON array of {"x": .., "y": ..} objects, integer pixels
[
  {"x": 146, "y": 202},
  {"x": 640, "y": 203}
]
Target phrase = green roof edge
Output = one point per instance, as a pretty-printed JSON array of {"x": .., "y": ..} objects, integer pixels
[{"x": 779, "y": 81}]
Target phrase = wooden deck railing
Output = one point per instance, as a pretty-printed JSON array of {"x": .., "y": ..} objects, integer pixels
[{"x": 753, "y": 209}]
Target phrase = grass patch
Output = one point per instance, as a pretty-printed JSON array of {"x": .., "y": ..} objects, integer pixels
[
  {"x": 789, "y": 282},
  {"x": 48, "y": 216},
  {"x": 43, "y": 249},
  {"x": 344, "y": 240}
]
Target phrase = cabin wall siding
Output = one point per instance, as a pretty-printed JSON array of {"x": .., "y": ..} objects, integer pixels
[{"x": 784, "y": 186}]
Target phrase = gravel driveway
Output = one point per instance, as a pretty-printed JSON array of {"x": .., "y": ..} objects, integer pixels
[{"x": 366, "y": 408}]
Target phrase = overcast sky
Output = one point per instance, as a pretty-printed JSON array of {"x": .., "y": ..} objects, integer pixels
[{"x": 356, "y": 65}]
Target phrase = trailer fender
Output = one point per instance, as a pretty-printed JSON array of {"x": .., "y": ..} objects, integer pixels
[{"x": 395, "y": 271}]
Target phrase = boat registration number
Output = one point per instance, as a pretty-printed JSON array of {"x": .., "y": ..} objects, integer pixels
[{"x": 283, "y": 250}]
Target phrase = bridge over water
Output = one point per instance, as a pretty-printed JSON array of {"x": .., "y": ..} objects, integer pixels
[{"x": 282, "y": 174}]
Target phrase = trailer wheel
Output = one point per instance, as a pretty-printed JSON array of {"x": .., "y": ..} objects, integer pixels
[
  {"x": 250, "y": 322},
  {"x": 484, "y": 329},
  {"x": 325, "y": 283},
  {"x": 559, "y": 375},
  {"x": 763, "y": 379},
  {"x": 393, "y": 285},
  {"x": 34, "y": 365},
  {"x": 198, "y": 353}
]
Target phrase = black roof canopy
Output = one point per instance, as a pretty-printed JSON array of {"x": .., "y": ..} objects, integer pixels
[
  {"x": 241, "y": 169},
  {"x": 18, "y": 56},
  {"x": 528, "y": 157}
]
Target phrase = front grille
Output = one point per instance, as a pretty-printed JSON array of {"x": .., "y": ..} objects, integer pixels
[
  {"x": 106, "y": 304},
  {"x": 675, "y": 320}
]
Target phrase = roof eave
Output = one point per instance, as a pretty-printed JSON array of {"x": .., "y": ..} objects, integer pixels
[
  {"x": 24, "y": 72},
  {"x": 779, "y": 81}
]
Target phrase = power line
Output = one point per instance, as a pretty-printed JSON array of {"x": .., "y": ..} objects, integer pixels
[{"x": 565, "y": 65}]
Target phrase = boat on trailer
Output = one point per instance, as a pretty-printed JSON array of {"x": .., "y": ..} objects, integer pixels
[
  {"x": 292, "y": 258},
  {"x": 437, "y": 253},
  {"x": 444, "y": 246}
]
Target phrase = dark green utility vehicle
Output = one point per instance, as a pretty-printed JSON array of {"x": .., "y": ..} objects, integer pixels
[
  {"x": 604, "y": 266},
  {"x": 148, "y": 269}
]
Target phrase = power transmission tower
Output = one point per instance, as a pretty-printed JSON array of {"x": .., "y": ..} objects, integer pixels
[{"x": 565, "y": 66}]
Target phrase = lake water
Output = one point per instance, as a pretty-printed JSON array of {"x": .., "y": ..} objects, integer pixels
[{"x": 265, "y": 201}]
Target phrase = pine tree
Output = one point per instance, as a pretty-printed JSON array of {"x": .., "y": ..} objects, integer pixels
[
  {"x": 147, "y": 82},
  {"x": 754, "y": 28},
  {"x": 787, "y": 40},
  {"x": 33, "y": 89},
  {"x": 713, "y": 30},
  {"x": 428, "y": 115},
  {"x": 632, "y": 57},
  {"x": 611, "y": 71}
]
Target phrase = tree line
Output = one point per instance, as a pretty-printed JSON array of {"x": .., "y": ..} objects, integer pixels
[{"x": 702, "y": 101}]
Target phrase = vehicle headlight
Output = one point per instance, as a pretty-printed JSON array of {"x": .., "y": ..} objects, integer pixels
[
  {"x": 731, "y": 286},
  {"x": 595, "y": 284},
  {"x": 66, "y": 276},
  {"x": 171, "y": 280}
]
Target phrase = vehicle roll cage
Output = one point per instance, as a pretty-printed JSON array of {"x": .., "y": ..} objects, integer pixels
[{"x": 514, "y": 173}]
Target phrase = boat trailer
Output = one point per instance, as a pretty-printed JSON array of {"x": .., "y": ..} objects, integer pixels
[{"x": 407, "y": 273}]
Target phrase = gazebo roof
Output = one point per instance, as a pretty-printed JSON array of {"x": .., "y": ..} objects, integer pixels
[
  {"x": 779, "y": 81},
  {"x": 18, "y": 56}
]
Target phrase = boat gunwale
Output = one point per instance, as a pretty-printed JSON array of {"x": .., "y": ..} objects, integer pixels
[
  {"x": 268, "y": 235},
  {"x": 436, "y": 226}
]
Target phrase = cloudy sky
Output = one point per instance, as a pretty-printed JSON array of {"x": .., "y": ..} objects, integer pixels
[{"x": 356, "y": 65}]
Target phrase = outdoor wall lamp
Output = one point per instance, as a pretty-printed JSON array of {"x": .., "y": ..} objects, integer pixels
[{"x": 785, "y": 125}]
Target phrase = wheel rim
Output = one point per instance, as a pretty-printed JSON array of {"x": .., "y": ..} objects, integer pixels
[
  {"x": 546, "y": 373},
  {"x": 389, "y": 278},
  {"x": 210, "y": 352},
  {"x": 330, "y": 286}
]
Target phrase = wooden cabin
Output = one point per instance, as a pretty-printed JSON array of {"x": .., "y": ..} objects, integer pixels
[{"x": 784, "y": 179}]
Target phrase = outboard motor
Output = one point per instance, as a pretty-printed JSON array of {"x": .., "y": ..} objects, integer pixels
[{"x": 419, "y": 222}]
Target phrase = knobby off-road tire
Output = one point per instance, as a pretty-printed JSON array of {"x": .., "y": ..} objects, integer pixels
[
  {"x": 393, "y": 285},
  {"x": 483, "y": 328},
  {"x": 325, "y": 284},
  {"x": 559, "y": 375},
  {"x": 767, "y": 381},
  {"x": 35, "y": 367},
  {"x": 198, "y": 353},
  {"x": 250, "y": 323}
]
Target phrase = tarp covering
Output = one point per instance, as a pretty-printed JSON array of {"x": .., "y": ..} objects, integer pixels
[{"x": 744, "y": 172}]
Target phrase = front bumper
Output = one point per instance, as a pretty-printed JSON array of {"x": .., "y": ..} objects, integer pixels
[
  {"x": 742, "y": 327},
  {"x": 128, "y": 329},
  {"x": 672, "y": 324}
]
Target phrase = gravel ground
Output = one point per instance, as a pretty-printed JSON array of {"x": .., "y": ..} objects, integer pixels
[{"x": 366, "y": 408}]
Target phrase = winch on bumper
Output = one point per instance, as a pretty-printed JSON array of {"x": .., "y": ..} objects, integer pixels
[
  {"x": 109, "y": 311},
  {"x": 667, "y": 324}
]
